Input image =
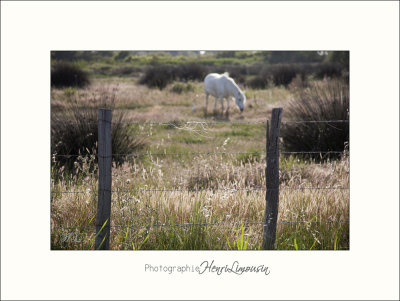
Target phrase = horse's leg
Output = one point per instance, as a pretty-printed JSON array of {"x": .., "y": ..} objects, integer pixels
[
  {"x": 215, "y": 104},
  {"x": 205, "y": 109},
  {"x": 222, "y": 105},
  {"x": 227, "y": 107}
]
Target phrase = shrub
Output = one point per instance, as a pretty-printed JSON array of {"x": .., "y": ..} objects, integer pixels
[
  {"x": 254, "y": 69},
  {"x": 74, "y": 131},
  {"x": 68, "y": 75},
  {"x": 190, "y": 72},
  {"x": 278, "y": 75},
  {"x": 158, "y": 76},
  {"x": 329, "y": 70},
  {"x": 327, "y": 100},
  {"x": 238, "y": 72},
  {"x": 282, "y": 74},
  {"x": 304, "y": 70},
  {"x": 342, "y": 58},
  {"x": 261, "y": 79},
  {"x": 258, "y": 82}
]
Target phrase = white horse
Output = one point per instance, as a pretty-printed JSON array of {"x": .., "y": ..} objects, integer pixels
[{"x": 222, "y": 86}]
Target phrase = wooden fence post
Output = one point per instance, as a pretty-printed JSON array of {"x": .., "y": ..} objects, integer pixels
[
  {"x": 272, "y": 180},
  {"x": 104, "y": 197}
]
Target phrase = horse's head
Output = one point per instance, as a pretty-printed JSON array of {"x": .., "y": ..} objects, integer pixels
[{"x": 240, "y": 100}]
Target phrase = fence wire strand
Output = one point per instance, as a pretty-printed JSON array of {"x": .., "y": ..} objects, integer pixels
[
  {"x": 200, "y": 153},
  {"x": 226, "y": 223},
  {"x": 177, "y": 123},
  {"x": 203, "y": 189}
]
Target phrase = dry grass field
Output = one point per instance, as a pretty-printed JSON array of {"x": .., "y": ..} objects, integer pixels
[{"x": 230, "y": 155}]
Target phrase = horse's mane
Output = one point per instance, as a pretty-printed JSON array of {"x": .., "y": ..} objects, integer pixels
[{"x": 231, "y": 81}]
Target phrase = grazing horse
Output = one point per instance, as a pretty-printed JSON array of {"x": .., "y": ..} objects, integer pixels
[{"x": 222, "y": 86}]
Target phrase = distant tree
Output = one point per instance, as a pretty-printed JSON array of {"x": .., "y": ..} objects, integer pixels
[{"x": 340, "y": 57}]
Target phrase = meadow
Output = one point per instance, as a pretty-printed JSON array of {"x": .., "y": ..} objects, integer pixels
[{"x": 187, "y": 171}]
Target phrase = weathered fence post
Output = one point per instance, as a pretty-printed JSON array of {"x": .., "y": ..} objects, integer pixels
[
  {"x": 104, "y": 197},
  {"x": 272, "y": 180}
]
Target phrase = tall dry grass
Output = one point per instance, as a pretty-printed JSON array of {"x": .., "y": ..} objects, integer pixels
[
  {"x": 132, "y": 206},
  {"x": 326, "y": 100}
]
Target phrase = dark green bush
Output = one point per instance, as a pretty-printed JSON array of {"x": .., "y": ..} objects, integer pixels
[
  {"x": 304, "y": 70},
  {"x": 238, "y": 72},
  {"x": 329, "y": 70},
  {"x": 342, "y": 58},
  {"x": 327, "y": 100},
  {"x": 255, "y": 69},
  {"x": 74, "y": 131},
  {"x": 261, "y": 79},
  {"x": 258, "y": 82},
  {"x": 277, "y": 74},
  {"x": 158, "y": 76},
  {"x": 282, "y": 74},
  {"x": 190, "y": 72},
  {"x": 68, "y": 75}
]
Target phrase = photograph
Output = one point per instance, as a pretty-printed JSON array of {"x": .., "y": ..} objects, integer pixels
[{"x": 200, "y": 150}]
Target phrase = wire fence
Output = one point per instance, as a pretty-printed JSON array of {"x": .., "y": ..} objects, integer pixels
[
  {"x": 205, "y": 189},
  {"x": 183, "y": 122},
  {"x": 176, "y": 124},
  {"x": 200, "y": 154}
]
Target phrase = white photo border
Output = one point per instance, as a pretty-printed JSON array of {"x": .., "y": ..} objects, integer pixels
[{"x": 30, "y": 30}]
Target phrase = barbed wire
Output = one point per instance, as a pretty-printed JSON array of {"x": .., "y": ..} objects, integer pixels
[
  {"x": 200, "y": 153},
  {"x": 176, "y": 123},
  {"x": 201, "y": 189},
  {"x": 232, "y": 189},
  {"x": 225, "y": 223}
]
